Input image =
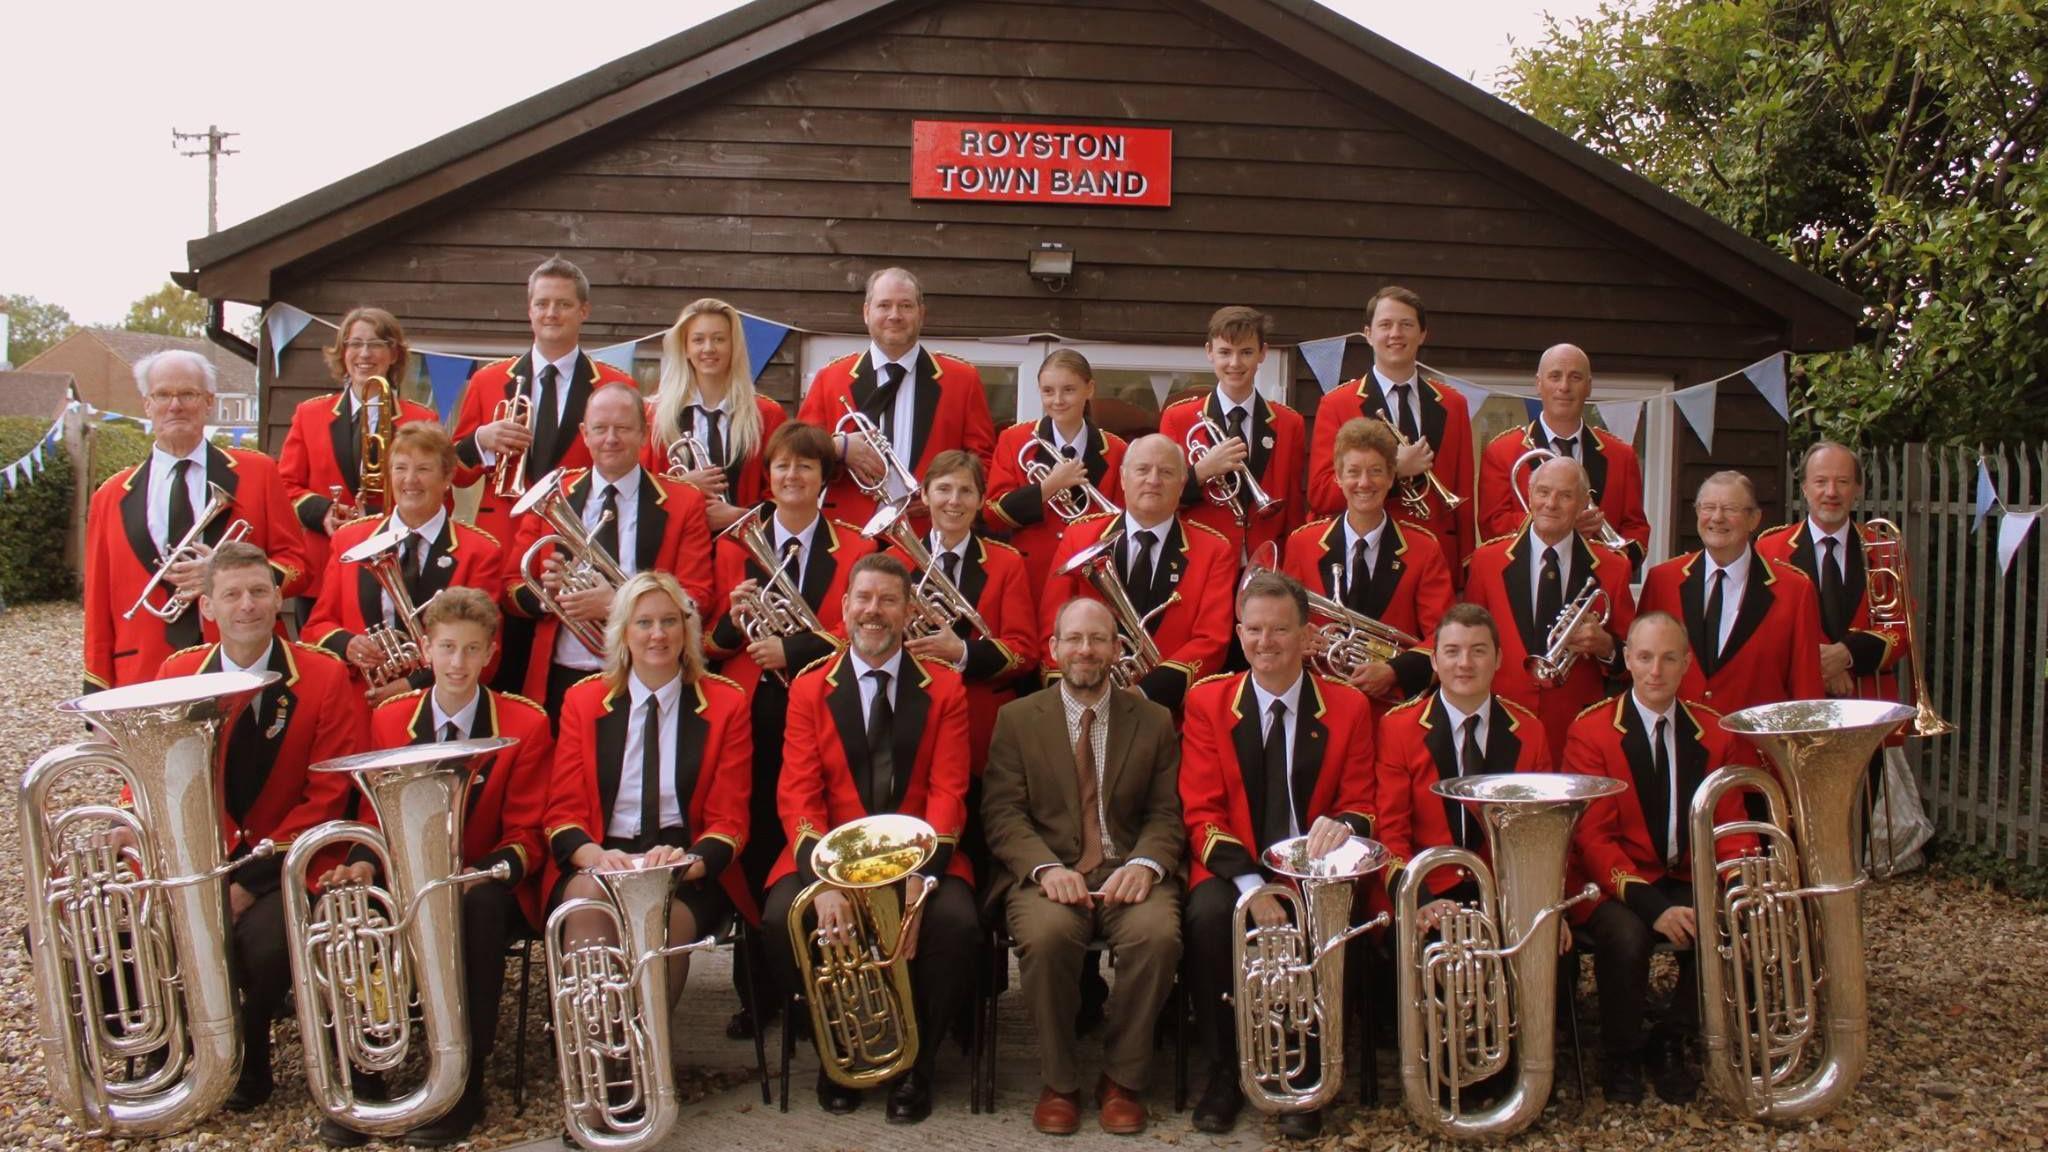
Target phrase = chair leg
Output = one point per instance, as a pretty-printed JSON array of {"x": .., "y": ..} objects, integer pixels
[
  {"x": 1178, "y": 998},
  {"x": 790, "y": 1008},
  {"x": 1368, "y": 1047},
  {"x": 1578, "y": 1052},
  {"x": 743, "y": 955},
  {"x": 519, "y": 1039}
]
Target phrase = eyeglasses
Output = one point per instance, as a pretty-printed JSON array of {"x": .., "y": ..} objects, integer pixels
[
  {"x": 1724, "y": 509},
  {"x": 180, "y": 397},
  {"x": 366, "y": 345}
]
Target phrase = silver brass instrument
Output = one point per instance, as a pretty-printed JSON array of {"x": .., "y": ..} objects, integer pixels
[
  {"x": 1484, "y": 994},
  {"x": 152, "y": 917},
  {"x": 1538, "y": 457},
  {"x": 776, "y": 607},
  {"x": 589, "y": 566},
  {"x": 192, "y": 547},
  {"x": 687, "y": 454},
  {"x": 937, "y": 604},
  {"x": 364, "y": 956},
  {"x": 862, "y": 1014},
  {"x": 1555, "y": 664},
  {"x": 896, "y": 481},
  {"x": 1342, "y": 642},
  {"x": 1137, "y": 654},
  {"x": 1890, "y": 586},
  {"x": 1036, "y": 458},
  {"x": 404, "y": 646},
  {"x": 611, "y": 1010},
  {"x": 1288, "y": 990},
  {"x": 1783, "y": 1007},
  {"x": 508, "y": 477},
  {"x": 1415, "y": 491},
  {"x": 1237, "y": 490},
  {"x": 380, "y": 416}
]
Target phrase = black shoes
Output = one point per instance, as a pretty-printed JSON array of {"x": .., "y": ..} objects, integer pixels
[
  {"x": 1301, "y": 1125},
  {"x": 335, "y": 1135},
  {"x": 835, "y": 1097},
  {"x": 1674, "y": 1077},
  {"x": 1621, "y": 1079},
  {"x": 1216, "y": 1112},
  {"x": 451, "y": 1129},
  {"x": 252, "y": 1091},
  {"x": 910, "y": 1098}
]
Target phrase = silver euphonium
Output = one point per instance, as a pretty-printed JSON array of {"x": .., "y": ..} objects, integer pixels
[
  {"x": 1783, "y": 1007},
  {"x": 1554, "y": 665},
  {"x": 1485, "y": 992},
  {"x": 1036, "y": 458},
  {"x": 936, "y": 602},
  {"x": 611, "y": 1010},
  {"x": 151, "y": 919},
  {"x": 1288, "y": 990},
  {"x": 777, "y": 607},
  {"x": 404, "y": 646},
  {"x": 1137, "y": 654},
  {"x": 1341, "y": 642},
  {"x": 364, "y": 955},
  {"x": 192, "y": 546},
  {"x": 589, "y": 565}
]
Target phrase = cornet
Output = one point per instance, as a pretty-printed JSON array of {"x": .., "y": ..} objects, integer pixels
[
  {"x": 404, "y": 647},
  {"x": 1555, "y": 664},
  {"x": 1538, "y": 456},
  {"x": 589, "y": 566},
  {"x": 508, "y": 478},
  {"x": 777, "y": 607},
  {"x": 1237, "y": 489},
  {"x": 1341, "y": 642},
  {"x": 1416, "y": 490},
  {"x": 896, "y": 481},
  {"x": 192, "y": 547},
  {"x": 1037, "y": 458},
  {"x": 687, "y": 454},
  {"x": 1886, "y": 576},
  {"x": 1137, "y": 654},
  {"x": 379, "y": 416}
]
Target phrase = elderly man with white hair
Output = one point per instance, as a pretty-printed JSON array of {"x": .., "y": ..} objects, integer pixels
[{"x": 141, "y": 515}]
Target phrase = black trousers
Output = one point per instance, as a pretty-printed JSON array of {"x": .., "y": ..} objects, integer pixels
[
  {"x": 263, "y": 971},
  {"x": 1622, "y": 942},
  {"x": 1209, "y": 965},
  {"x": 769, "y": 712},
  {"x": 490, "y": 914},
  {"x": 561, "y": 678},
  {"x": 941, "y": 975}
]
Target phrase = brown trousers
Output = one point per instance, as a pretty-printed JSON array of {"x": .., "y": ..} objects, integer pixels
[{"x": 1051, "y": 940}]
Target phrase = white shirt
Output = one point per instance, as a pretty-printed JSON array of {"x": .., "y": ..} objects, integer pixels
[
  {"x": 262, "y": 664},
  {"x": 804, "y": 537},
  {"x": 160, "y": 465},
  {"x": 1670, "y": 718},
  {"x": 464, "y": 718},
  {"x": 569, "y": 651},
  {"x": 1292, "y": 699},
  {"x": 1079, "y": 443},
  {"x": 625, "y": 818},
  {"x": 1732, "y": 585},
  {"x": 1159, "y": 532},
  {"x": 1549, "y": 434},
  {"x": 902, "y": 426},
  {"x": 1353, "y": 577},
  {"x": 697, "y": 422},
  {"x": 426, "y": 533},
  {"x": 1564, "y": 574},
  {"x": 868, "y": 688},
  {"x": 1225, "y": 406},
  {"x": 1387, "y": 386},
  {"x": 565, "y": 372},
  {"x": 1844, "y": 538}
]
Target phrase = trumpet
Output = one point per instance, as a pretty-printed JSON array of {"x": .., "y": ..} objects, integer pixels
[
  {"x": 858, "y": 989},
  {"x": 896, "y": 481},
  {"x": 379, "y": 417},
  {"x": 508, "y": 478},
  {"x": 1237, "y": 489},
  {"x": 1538, "y": 456},
  {"x": 1416, "y": 490},
  {"x": 1891, "y": 603},
  {"x": 777, "y": 607},
  {"x": 687, "y": 454},
  {"x": 192, "y": 547},
  {"x": 937, "y": 604},
  {"x": 1037, "y": 458},
  {"x": 1555, "y": 664},
  {"x": 1137, "y": 654},
  {"x": 403, "y": 646},
  {"x": 590, "y": 566},
  {"x": 1341, "y": 642}
]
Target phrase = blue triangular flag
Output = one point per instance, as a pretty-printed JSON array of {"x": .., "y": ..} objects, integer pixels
[
  {"x": 1987, "y": 493},
  {"x": 1621, "y": 417},
  {"x": 764, "y": 338},
  {"x": 1531, "y": 408},
  {"x": 2012, "y": 532},
  {"x": 1475, "y": 396},
  {"x": 446, "y": 375},
  {"x": 1696, "y": 404},
  {"x": 283, "y": 323},
  {"x": 619, "y": 356},
  {"x": 1768, "y": 375},
  {"x": 1325, "y": 358}
]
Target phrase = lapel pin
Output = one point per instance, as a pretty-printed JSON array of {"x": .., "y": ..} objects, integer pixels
[
  {"x": 445, "y": 561},
  {"x": 278, "y": 722},
  {"x": 1266, "y": 442}
]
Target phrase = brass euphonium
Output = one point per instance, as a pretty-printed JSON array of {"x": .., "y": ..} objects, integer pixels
[
  {"x": 151, "y": 920},
  {"x": 589, "y": 565},
  {"x": 862, "y": 1014},
  {"x": 1539, "y": 456},
  {"x": 611, "y": 1010},
  {"x": 936, "y": 602},
  {"x": 403, "y": 646},
  {"x": 1890, "y": 586},
  {"x": 380, "y": 415},
  {"x": 1237, "y": 490},
  {"x": 1036, "y": 459},
  {"x": 1137, "y": 654},
  {"x": 1553, "y": 666},
  {"x": 364, "y": 955},
  {"x": 1288, "y": 990},
  {"x": 192, "y": 547},
  {"x": 1782, "y": 988},
  {"x": 508, "y": 476},
  {"x": 777, "y": 608},
  {"x": 1485, "y": 992},
  {"x": 1341, "y": 642}
]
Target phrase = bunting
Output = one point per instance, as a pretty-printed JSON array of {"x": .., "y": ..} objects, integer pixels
[
  {"x": 282, "y": 324},
  {"x": 1697, "y": 405},
  {"x": 1325, "y": 358}
]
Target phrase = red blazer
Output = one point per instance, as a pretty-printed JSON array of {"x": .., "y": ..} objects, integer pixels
[
  {"x": 1874, "y": 649},
  {"x": 1278, "y": 441},
  {"x": 827, "y": 734},
  {"x": 1019, "y": 508},
  {"x": 1417, "y": 748},
  {"x": 1410, "y": 589},
  {"x": 351, "y": 599},
  {"x": 1499, "y": 582},
  {"x": 1446, "y": 424},
  {"x": 312, "y": 714},
  {"x": 311, "y": 466},
  {"x": 671, "y": 535},
  {"x": 834, "y": 549},
  {"x": 993, "y": 579},
  {"x": 1773, "y": 651},
  {"x": 952, "y": 412},
  {"x": 1221, "y": 770},
  {"x": 1617, "y": 847},
  {"x": 1195, "y": 577},
  {"x": 746, "y": 481},
  {"x": 714, "y": 756},
  {"x": 121, "y": 556},
  {"x": 1611, "y": 468},
  {"x": 507, "y": 795},
  {"x": 499, "y": 380}
]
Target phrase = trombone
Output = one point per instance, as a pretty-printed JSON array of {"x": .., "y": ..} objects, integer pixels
[
  {"x": 1538, "y": 457},
  {"x": 1416, "y": 490},
  {"x": 590, "y": 566},
  {"x": 1555, "y": 664},
  {"x": 937, "y": 603},
  {"x": 192, "y": 547},
  {"x": 1137, "y": 654},
  {"x": 508, "y": 478},
  {"x": 1891, "y": 603},
  {"x": 1069, "y": 504},
  {"x": 896, "y": 481},
  {"x": 1238, "y": 490},
  {"x": 379, "y": 418}
]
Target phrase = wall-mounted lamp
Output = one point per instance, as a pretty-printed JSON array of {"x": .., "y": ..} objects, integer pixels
[{"x": 1052, "y": 264}]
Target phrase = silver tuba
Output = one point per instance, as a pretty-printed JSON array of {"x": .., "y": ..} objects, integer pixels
[
  {"x": 590, "y": 566},
  {"x": 1036, "y": 458},
  {"x": 362, "y": 954},
  {"x": 1781, "y": 978},
  {"x": 1486, "y": 990},
  {"x": 936, "y": 602},
  {"x": 611, "y": 1010},
  {"x": 1554, "y": 665},
  {"x": 778, "y": 608},
  {"x": 153, "y": 918},
  {"x": 1288, "y": 990},
  {"x": 1341, "y": 642},
  {"x": 404, "y": 647},
  {"x": 1539, "y": 456},
  {"x": 1137, "y": 654},
  {"x": 192, "y": 547}
]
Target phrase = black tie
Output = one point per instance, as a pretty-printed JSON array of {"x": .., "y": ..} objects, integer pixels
[
  {"x": 1713, "y": 636},
  {"x": 650, "y": 771},
  {"x": 181, "y": 504},
  {"x": 950, "y": 561},
  {"x": 1549, "y": 593},
  {"x": 881, "y": 745},
  {"x": 449, "y": 732},
  {"x": 1277, "y": 825},
  {"x": 351, "y": 467},
  {"x": 1067, "y": 451},
  {"x": 1471, "y": 762},
  {"x": 1564, "y": 446},
  {"x": 1356, "y": 589},
  {"x": 409, "y": 562},
  {"x": 607, "y": 535},
  {"x": 1404, "y": 414},
  {"x": 1660, "y": 760},
  {"x": 885, "y": 405},
  {"x": 1236, "y": 422},
  {"x": 1141, "y": 566},
  {"x": 542, "y": 458},
  {"x": 1833, "y": 593},
  {"x": 714, "y": 435},
  {"x": 247, "y": 760},
  {"x": 792, "y": 559}
]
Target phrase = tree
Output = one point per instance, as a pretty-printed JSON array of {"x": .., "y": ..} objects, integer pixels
[
  {"x": 33, "y": 326},
  {"x": 168, "y": 311},
  {"x": 1892, "y": 146}
]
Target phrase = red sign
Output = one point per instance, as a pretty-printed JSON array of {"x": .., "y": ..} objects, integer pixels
[{"x": 1041, "y": 163}]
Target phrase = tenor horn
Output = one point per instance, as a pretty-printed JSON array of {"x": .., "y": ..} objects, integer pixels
[
  {"x": 1485, "y": 991},
  {"x": 150, "y": 919},
  {"x": 1137, "y": 653},
  {"x": 1888, "y": 578},
  {"x": 1341, "y": 641},
  {"x": 403, "y": 647},
  {"x": 590, "y": 566},
  {"x": 1783, "y": 1008},
  {"x": 937, "y": 604},
  {"x": 777, "y": 607},
  {"x": 363, "y": 953}
]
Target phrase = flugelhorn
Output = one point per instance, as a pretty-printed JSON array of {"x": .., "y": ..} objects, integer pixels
[
  {"x": 403, "y": 645},
  {"x": 1342, "y": 642},
  {"x": 1137, "y": 653},
  {"x": 1484, "y": 994},
  {"x": 1036, "y": 458},
  {"x": 1539, "y": 456},
  {"x": 937, "y": 604},
  {"x": 1783, "y": 1007},
  {"x": 589, "y": 565},
  {"x": 379, "y": 418},
  {"x": 777, "y": 607},
  {"x": 1554, "y": 665},
  {"x": 191, "y": 547},
  {"x": 1416, "y": 490},
  {"x": 896, "y": 481},
  {"x": 1236, "y": 489},
  {"x": 1887, "y": 576},
  {"x": 152, "y": 918},
  {"x": 363, "y": 955},
  {"x": 862, "y": 1014},
  {"x": 1288, "y": 990},
  {"x": 508, "y": 476}
]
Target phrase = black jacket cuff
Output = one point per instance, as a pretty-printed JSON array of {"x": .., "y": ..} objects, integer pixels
[
  {"x": 1165, "y": 686},
  {"x": 1230, "y": 860},
  {"x": 466, "y": 451},
  {"x": 985, "y": 660},
  {"x": 803, "y": 850},
  {"x": 260, "y": 877},
  {"x": 360, "y": 853},
  {"x": 1024, "y": 504},
  {"x": 1866, "y": 652},
  {"x": 1646, "y": 901},
  {"x": 725, "y": 635},
  {"x": 564, "y": 845},
  {"x": 715, "y": 854},
  {"x": 488, "y": 860},
  {"x": 1359, "y": 823},
  {"x": 313, "y": 512},
  {"x": 1412, "y": 671},
  {"x": 936, "y": 866},
  {"x": 337, "y": 642}
]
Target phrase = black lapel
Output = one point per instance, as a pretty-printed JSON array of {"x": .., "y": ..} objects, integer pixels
[
  {"x": 1692, "y": 598},
  {"x": 1433, "y": 415},
  {"x": 1255, "y": 424},
  {"x": 865, "y": 381},
  {"x": 1756, "y": 603},
  {"x": 1248, "y": 735},
  {"x": 135, "y": 517},
  {"x": 1653, "y": 793},
  {"x": 973, "y": 577},
  {"x": 1692, "y": 769},
  {"x": 1261, "y": 425},
  {"x": 925, "y": 409},
  {"x": 479, "y": 728},
  {"x": 1310, "y": 735},
  {"x": 1503, "y": 747},
  {"x": 611, "y": 747},
  {"x": 369, "y": 593},
  {"x": 1442, "y": 743},
  {"x": 220, "y": 469},
  {"x": 819, "y": 566},
  {"x": 1386, "y": 571},
  {"x": 652, "y": 523},
  {"x": 278, "y": 703},
  {"x": 344, "y": 444},
  {"x": 521, "y": 375},
  {"x": 1094, "y": 450},
  {"x": 423, "y": 719},
  {"x": 692, "y": 733},
  {"x": 1375, "y": 398},
  {"x": 1585, "y": 566},
  {"x": 844, "y": 703},
  {"x": 440, "y": 566},
  {"x": 1803, "y": 554},
  {"x": 1521, "y": 560},
  {"x": 1173, "y": 563},
  {"x": 1330, "y": 568},
  {"x": 1594, "y": 459},
  {"x": 572, "y": 412},
  {"x": 913, "y": 706}
]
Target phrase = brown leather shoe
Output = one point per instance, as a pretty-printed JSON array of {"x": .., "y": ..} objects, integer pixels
[
  {"x": 1121, "y": 1112},
  {"x": 1058, "y": 1113}
]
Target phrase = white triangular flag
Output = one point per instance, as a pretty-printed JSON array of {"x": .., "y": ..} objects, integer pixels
[
  {"x": 1621, "y": 417},
  {"x": 1326, "y": 359},
  {"x": 283, "y": 323},
  {"x": 1768, "y": 375},
  {"x": 2012, "y": 532},
  {"x": 619, "y": 356},
  {"x": 1696, "y": 404}
]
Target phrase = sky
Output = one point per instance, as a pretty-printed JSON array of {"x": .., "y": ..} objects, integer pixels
[{"x": 97, "y": 205}]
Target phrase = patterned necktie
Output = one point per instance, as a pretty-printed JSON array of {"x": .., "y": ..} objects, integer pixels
[{"x": 1091, "y": 822}]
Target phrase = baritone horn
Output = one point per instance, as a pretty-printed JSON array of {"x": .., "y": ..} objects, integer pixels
[
  {"x": 1483, "y": 995},
  {"x": 858, "y": 986},
  {"x": 1036, "y": 458},
  {"x": 1237, "y": 489},
  {"x": 589, "y": 566},
  {"x": 508, "y": 477},
  {"x": 403, "y": 646},
  {"x": 1288, "y": 990},
  {"x": 1538, "y": 457},
  {"x": 191, "y": 547},
  {"x": 1416, "y": 490},
  {"x": 777, "y": 607},
  {"x": 128, "y": 941},
  {"x": 1342, "y": 642},
  {"x": 1783, "y": 1001},
  {"x": 1137, "y": 653},
  {"x": 364, "y": 955},
  {"x": 1887, "y": 575},
  {"x": 936, "y": 603},
  {"x": 1554, "y": 665}
]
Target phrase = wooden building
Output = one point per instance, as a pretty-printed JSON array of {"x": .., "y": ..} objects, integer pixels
[{"x": 766, "y": 157}]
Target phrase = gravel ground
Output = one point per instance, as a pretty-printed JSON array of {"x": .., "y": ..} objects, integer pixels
[{"x": 1958, "y": 985}]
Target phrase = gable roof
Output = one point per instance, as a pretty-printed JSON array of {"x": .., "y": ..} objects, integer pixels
[
  {"x": 1343, "y": 56},
  {"x": 235, "y": 375},
  {"x": 38, "y": 394}
]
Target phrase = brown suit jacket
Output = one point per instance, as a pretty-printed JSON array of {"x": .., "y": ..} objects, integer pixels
[{"x": 1031, "y": 796}]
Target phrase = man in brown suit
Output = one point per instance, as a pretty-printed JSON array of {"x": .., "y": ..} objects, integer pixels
[{"x": 1081, "y": 803}]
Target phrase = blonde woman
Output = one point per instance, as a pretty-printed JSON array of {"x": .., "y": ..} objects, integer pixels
[{"x": 707, "y": 391}]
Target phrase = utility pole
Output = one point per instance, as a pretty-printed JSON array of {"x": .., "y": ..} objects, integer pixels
[{"x": 213, "y": 151}]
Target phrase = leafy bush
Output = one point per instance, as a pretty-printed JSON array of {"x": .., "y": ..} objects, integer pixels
[{"x": 34, "y": 517}]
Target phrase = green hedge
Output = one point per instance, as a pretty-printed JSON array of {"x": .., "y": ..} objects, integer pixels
[
  {"x": 34, "y": 518},
  {"x": 116, "y": 446}
]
